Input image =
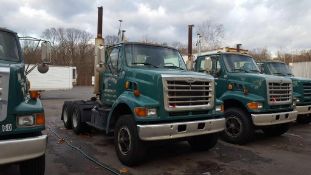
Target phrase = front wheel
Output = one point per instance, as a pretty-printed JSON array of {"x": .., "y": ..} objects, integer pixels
[
  {"x": 130, "y": 149},
  {"x": 203, "y": 142},
  {"x": 304, "y": 119},
  {"x": 276, "y": 130},
  {"x": 239, "y": 128},
  {"x": 33, "y": 167}
]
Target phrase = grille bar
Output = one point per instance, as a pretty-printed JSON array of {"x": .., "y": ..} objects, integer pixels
[
  {"x": 187, "y": 93},
  {"x": 307, "y": 89},
  {"x": 279, "y": 93}
]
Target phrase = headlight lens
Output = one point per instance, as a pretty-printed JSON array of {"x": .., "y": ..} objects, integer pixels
[
  {"x": 26, "y": 120},
  {"x": 254, "y": 105},
  {"x": 31, "y": 120},
  {"x": 220, "y": 108},
  {"x": 144, "y": 112}
]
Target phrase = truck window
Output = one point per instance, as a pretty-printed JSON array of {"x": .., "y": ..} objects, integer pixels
[
  {"x": 279, "y": 69},
  {"x": 113, "y": 60},
  {"x": 240, "y": 63},
  {"x": 8, "y": 47},
  {"x": 153, "y": 56}
]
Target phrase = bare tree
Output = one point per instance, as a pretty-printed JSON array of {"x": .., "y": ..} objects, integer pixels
[
  {"x": 111, "y": 39},
  {"x": 212, "y": 34},
  {"x": 260, "y": 54}
]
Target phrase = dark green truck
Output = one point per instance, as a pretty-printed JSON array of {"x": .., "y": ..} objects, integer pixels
[
  {"x": 146, "y": 94},
  {"x": 251, "y": 100},
  {"x": 21, "y": 112},
  {"x": 301, "y": 87}
]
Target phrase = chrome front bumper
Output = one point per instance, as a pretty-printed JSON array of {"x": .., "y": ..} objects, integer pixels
[
  {"x": 180, "y": 129},
  {"x": 274, "y": 118},
  {"x": 303, "y": 109},
  {"x": 16, "y": 150}
]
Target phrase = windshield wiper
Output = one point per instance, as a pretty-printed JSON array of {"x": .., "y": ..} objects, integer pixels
[
  {"x": 173, "y": 66},
  {"x": 238, "y": 69},
  {"x": 254, "y": 70},
  {"x": 278, "y": 73},
  {"x": 148, "y": 64}
]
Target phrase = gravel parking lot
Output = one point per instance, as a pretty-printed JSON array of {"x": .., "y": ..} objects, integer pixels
[{"x": 288, "y": 154}]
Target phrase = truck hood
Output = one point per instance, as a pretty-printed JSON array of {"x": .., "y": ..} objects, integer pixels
[{"x": 257, "y": 79}]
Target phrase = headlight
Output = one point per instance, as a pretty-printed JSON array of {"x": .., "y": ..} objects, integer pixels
[
  {"x": 144, "y": 112},
  {"x": 254, "y": 105},
  {"x": 220, "y": 108},
  {"x": 31, "y": 120},
  {"x": 25, "y": 121}
]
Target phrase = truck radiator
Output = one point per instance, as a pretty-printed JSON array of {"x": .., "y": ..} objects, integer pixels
[
  {"x": 279, "y": 93},
  {"x": 307, "y": 89},
  {"x": 188, "y": 94}
]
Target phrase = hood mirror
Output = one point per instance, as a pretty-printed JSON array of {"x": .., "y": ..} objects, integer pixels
[
  {"x": 43, "y": 68},
  {"x": 208, "y": 65},
  {"x": 46, "y": 50}
]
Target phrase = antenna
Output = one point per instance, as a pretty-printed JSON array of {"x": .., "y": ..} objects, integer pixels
[{"x": 120, "y": 31}]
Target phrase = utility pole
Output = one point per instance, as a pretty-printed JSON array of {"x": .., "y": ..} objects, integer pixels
[{"x": 190, "y": 56}]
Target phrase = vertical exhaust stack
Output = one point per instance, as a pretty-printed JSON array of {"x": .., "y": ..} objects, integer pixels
[
  {"x": 99, "y": 51},
  {"x": 190, "y": 57},
  {"x": 238, "y": 47}
]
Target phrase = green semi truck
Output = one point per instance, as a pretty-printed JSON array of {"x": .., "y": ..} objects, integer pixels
[
  {"x": 301, "y": 87},
  {"x": 22, "y": 115},
  {"x": 144, "y": 93},
  {"x": 251, "y": 100}
]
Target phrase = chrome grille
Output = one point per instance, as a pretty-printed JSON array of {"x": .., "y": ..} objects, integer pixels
[
  {"x": 307, "y": 89},
  {"x": 186, "y": 93},
  {"x": 279, "y": 93}
]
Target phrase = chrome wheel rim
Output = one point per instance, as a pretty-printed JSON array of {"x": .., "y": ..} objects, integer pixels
[
  {"x": 233, "y": 126},
  {"x": 65, "y": 116},
  {"x": 124, "y": 140},
  {"x": 74, "y": 120}
]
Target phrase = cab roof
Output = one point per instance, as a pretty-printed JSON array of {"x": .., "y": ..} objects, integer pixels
[
  {"x": 6, "y": 30},
  {"x": 141, "y": 43},
  {"x": 226, "y": 50}
]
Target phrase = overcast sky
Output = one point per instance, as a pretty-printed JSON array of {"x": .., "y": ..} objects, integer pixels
[{"x": 274, "y": 24}]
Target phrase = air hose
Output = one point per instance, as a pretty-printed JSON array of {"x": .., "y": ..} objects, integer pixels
[{"x": 92, "y": 159}]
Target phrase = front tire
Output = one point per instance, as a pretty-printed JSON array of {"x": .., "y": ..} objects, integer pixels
[
  {"x": 304, "y": 119},
  {"x": 239, "y": 128},
  {"x": 203, "y": 142},
  {"x": 129, "y": 148},
  {"x": 33, "y": 167},
  {"x": 277, "y": 130}
]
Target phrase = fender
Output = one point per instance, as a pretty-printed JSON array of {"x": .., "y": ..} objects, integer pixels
[
  {"x": 241, "y": 97},
  {"x": 131, "y": 101}
]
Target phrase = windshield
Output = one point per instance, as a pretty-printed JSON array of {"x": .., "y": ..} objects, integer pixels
[
  {"x": 153, "y": 56},
  {"x": 240, "y": 63},
  {"x": 8, "y": 47},
  {"x": 279, "y": 69}
]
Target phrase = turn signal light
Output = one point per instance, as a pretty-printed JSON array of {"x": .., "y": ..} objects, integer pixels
[
  {"x": 141, "y": 112},
  {"x": 230, "y": 86},
  {"x": 34, "y": 94},
  {"x": 254, "y": 105},
  {"x": 40, "y": 119}
]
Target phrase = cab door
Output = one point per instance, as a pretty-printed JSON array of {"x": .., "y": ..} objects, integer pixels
[
  {"x": 112, "y": 77},
  {"x": 218, "y": 71}
]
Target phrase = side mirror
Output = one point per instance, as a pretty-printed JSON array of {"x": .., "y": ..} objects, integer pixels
[
  {"x": 208, "y": 64},
  {"x": 46, "y": 50},
  {"x": 43, "y": 68}
]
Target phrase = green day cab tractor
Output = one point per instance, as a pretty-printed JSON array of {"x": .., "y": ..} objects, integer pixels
[
  {"x": 251, "y": 100},
  {"x": 301, "y": 87},
  {"x": 146, "y": 94},
  {"x": 22, "y": 115}
]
